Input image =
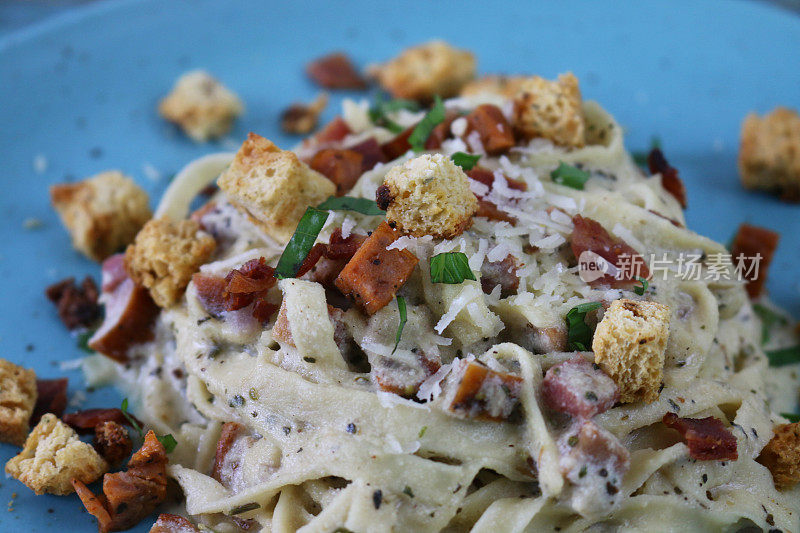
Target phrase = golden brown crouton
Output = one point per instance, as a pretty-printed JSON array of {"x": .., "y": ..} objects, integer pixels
[
  {"x": 550, "y": 109},
  {"x": 272, "y": 186},
  {"x": 505, "y": 86},
  {"x": 769, "y": 155},
  {"x": 782, "y": 455},
  {"x": 164, "y": 256},
  {"x": 202, "y": 107},
  {"x": 423, "y": 71},
  {"x": 54, "y": 455},
  {"x": 428, "y": 195},
  {"x": 629, "y": 345},
  {"x": 17, "y": 399},
  {"x": 102, "y": 213}
]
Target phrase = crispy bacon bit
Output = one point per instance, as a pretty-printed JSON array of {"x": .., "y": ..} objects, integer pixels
[
  {"x": 485, "y": 207},
  {"x": 211, "y": 292},
  {"x": 85, "y": 421},
  {"x": 383, "y": 197},
  {"x": 708, "y": 439},
  {"x": 342, "y": 167},
  {"x": 374, "y": 274},
  {"x": 335, "y": 71},
  {"x": 240, "y": 287},
  {"x": 77, "y": 306},
  {"x": 371, "y": 153},
  {"x": 669, "y": 175},
  {"x": 752, "y": 251},
  {"x": 111, "y": 440},
  {"x": 482, "y": 393},
  {"x": 130, "y": 312},
  {"x": 333, "y": 132},
  {"x": 230, "y": 432},
  {"x": 302, "y": 118},
  {"x": 172, "y": 523},
  {"x": 51, "y": 397},
  {"x": 344, "y": 248},
  {"x": 402, "y": 377},
  {"x": 579, "y": 388},
  {"x": 397, "y": 146},
  {"x": 503, "y": 273},
  {"x": 545, "y": 339},
  {"x": 129, "y": 496},
  {"x": 496, "y": 133},
  {"x": 441, "y": 132},
  {"x": 263, "y": 310},
  {"x": 589, "y": 236}
]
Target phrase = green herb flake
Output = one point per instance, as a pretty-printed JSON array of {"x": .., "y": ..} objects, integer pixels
[
  {"x": 301, "y": 242},
  {"x": 168, "y": 441},
  {"x": 572, "y": 441},
  {"x": 582, "y": 472},
  {"x": 570, "y": 176},
  {"x": 451, "y": 268},
  {"x": 408, "y": 492},
  {"x": 578, "y": 333},
  {"x": 786, "y": 356},
  {"x": 83, "y": 340},
  {"x": 640, "y": 290},
  {"x": 423, "y": 130},
  {"x": 253, "y": 394},
  {"x": 236, "y": 401},
  {"x": 379, "y": 112},
  {"x": 769, "y": 319},
  {"x": 791, "y": 417},
  {"x": 422, "y": 432},
  {"x": 129, "y": 418},
  {"x": 364, "y": 206},
  {"x": 464, "y": 160},
  {"x": 401, "y": 307},
  {"x": 244, "y": 508}
]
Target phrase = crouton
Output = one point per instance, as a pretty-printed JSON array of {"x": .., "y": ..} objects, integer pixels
[
  {"x": 782, "y": 455},
  {"x": 505, "y": 86},
  {"x": 273, "y": 187},
  {"x": 421, "y": 72},
  {"x": 164, "y": 256},
  {"x": 629, "y": 344},
  {"x": 17, "y": 399},
  {"x": 550, "y": 109},
  {"x": 102, "y": 213},
  {"x": 769, "y": 154},
  {"x": 201, "y": 106},
  {"x": 54, "y": 455},
  {"x": 428, "y": 195}
]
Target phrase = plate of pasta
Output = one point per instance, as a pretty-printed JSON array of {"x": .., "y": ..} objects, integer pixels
[{"x": 423, "y": 285}]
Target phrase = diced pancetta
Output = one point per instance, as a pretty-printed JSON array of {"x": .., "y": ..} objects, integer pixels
[
  {"x": 397, "y": 146},
  {"x": 335, "y": 71},
  {"x": 579, "y": 388},
  {"x": 497, "y": 135},
  {"x": 222, "y": 463},
  {"x": 503, "y": 273},
  {"x": 669, "y": 175},
  {"x": 342, "y": 167},
  {"x": 477, "y": 391},
  {"x": 708, "y": 439},
  {"x": 85, "y": 421},
  {"x": 752, "y": 251},
  {"x": 77, "y": 305},
  {"x": 51, "y": 397},
  {"x": 404, "y": 377},
  {"x": 589, "y": 236},
  {"x": 371, "y": 153}
]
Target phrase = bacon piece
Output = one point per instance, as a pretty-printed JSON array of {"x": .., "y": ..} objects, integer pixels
[
  {"x": 85, "y": 421},
  {"x": 397, "y": 146},
  {"x": 333, "y": 132},
  {"x": 441, "y": 132},
  {"x": 545, "y": 339},
  {"x": 485, "y": 207},
  {"x": 129, "y": 496},
  {"x": 324, "y": 270},
  {"x": 486, "y": 176},
  {"x": 230, "y": 432},
  {"x": 342, "y": 167},
  {"x": 51, "y": 397},
  {"x": 497, "y": 135},
  {"x": 130, "y": 313},
  {"x": 750, "y": 243},
  {"x": 263, "y": 310},
  {"x": 343, "y": 248},
  {"x": 77, "y": 306},
  {"x": 211, "y": 291},
  {"x": 503, "y": 273},
  {"x": 669, "y": 175},
  {"x": 335, "y": 71},
  {"x": 708, "y": 439},
  {"x": 374, "y": 274},
  {"x": 589, "y": 236},
  {"x": 252, "y": 280},
  {"x": 482, "y": 393},
  {"x": 402, "y": 377},
  {"x": 111, "y": 441},
  {"x": 579, "y": 388},
  {"x": 371, "y": 153},
  {"x": 301, "y": 118},
  {"x": 172, "y": 523}
]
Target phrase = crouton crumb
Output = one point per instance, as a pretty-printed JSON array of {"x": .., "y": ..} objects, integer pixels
[
  {"x": 782, "y": 455},
  {"x": 428, "y": 195},
  {"x": 272, "y": 186},
  {"x": 17, "y": 399},
  {"x": 201, "y": 106},
  {"x": 550, "y": 109},
  {"x": 102, "y": 213},
  {"x": 54, "y": 455},
  {"x": 629, "y": 344},
  {"x": 769, "y": 155},
  {"x": 164, "y": 256},
  {"x": 423, "y": 71}
]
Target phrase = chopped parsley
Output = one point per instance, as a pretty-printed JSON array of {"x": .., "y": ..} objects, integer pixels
[
  {"x": 791, "y": 417},
  {"x": 451, "y": 268},
  {"x": 769, "y": 319},
  {"x": 786, "y": 356},
  {"x": 132, "y": 421},
  {"x": 168, "y": 441},
  {"x": 301, "y": 242},
  {"x": 83, "y": 340},
  {"x": 236, "y": 401},
  {"x": 246, "y": 507},
  {"x": 408, "y": 492},
  {"x": 422, "y": 431},
  {"x": 578, "y": 333},
  {"x": 570, "y": 176},
  {"x": 423, "y": 130},
  {"x": 464, "y": 160},
  {"x": 640, "y": 290},
  {"x": 364, "y": 206},
  {"x": 401, "y": 307},
  {"x": 378, "y": 113}
]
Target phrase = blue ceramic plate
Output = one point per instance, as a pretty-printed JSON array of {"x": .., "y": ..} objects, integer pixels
[{"x": 78, "y": 95}]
